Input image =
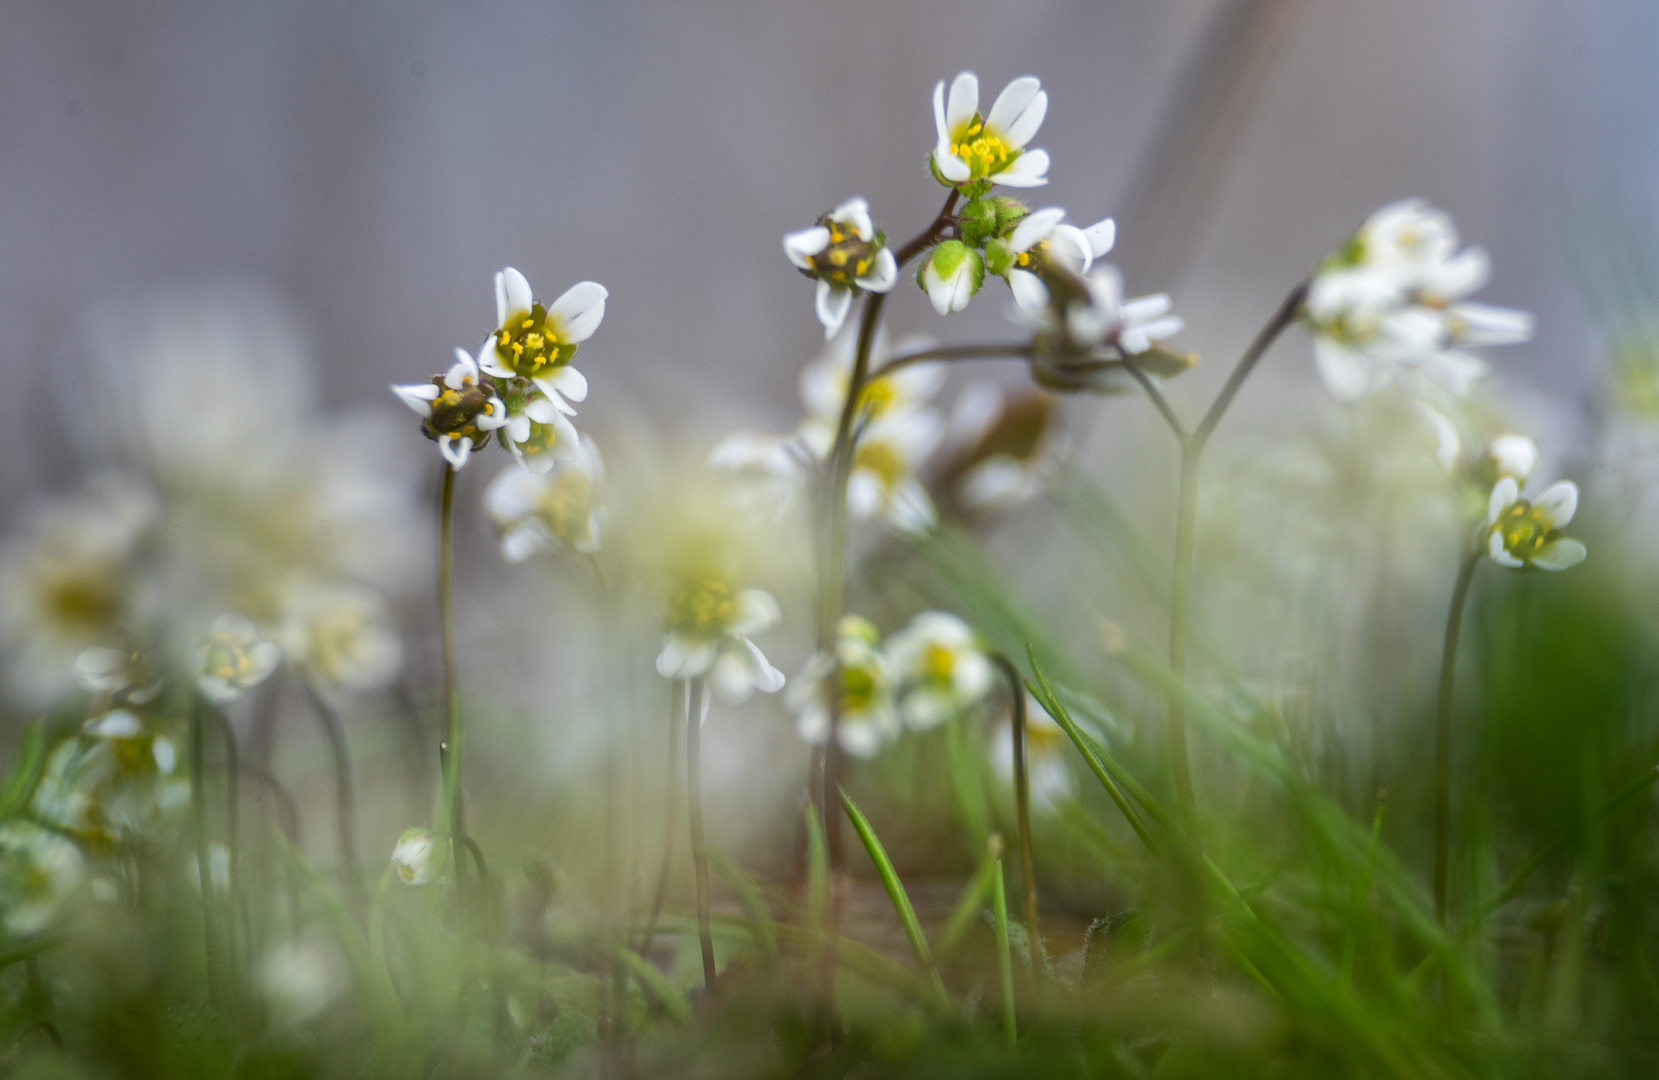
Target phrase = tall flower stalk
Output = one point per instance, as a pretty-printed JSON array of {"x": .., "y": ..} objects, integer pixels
[
  {"x": 450, "y": 749},
  {"x": 695, "y": 692},
  {"x": 1443, "y": 731}
]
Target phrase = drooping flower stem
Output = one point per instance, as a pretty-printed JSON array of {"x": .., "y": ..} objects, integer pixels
[
  {"x": 694, "y": 795},
  {"x": 450, "y": 749},
  {"x": 1192, "y": 446},
  {"x": 1443, "y": 732},
  {"x": 345, "y": 792},
  {"x": 204, "y": 873},
  {"x": 672, "y": 804},
  {"x": 1022, "y": 795}
]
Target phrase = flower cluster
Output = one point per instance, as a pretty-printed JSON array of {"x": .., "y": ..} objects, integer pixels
[
  {"x": 932, "y": 670},
  {"x": 1393, "y": 300},
  {"x": 846, "y": 255}
]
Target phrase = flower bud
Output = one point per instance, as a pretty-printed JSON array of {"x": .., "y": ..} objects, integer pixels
[
  {"x": 414, "y": 857},
  {"x": 978, "y": 221},
  {"x": 952, "y": 273}
]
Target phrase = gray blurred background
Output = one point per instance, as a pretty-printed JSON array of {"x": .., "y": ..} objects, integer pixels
[{"x": 373, "y": 162}]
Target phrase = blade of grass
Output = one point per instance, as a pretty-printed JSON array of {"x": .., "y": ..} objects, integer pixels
[
  {"x": 655, "y": 983},
  {"x": 31, "y": 754},
  {"x": 1005, "y": 959},
  {"x": 966, "y": 912},
  {"x": 753, "y": 902},
  {"x": 895, "y": 892},
  {"x": 1356, "y": 906}
]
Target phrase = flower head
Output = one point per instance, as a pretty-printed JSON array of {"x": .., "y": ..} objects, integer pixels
[
  {"x": 124, "y": 675},
  {"x": 941, "y": 666},
  {"x": 115, "y": 782},
  {"x": 987, "y": 150},
  {"x": 535, "y": 342},
  {"x": 458, "y": 407},
  {"x": 1528, "y": 534},
  {"x": 950, "y": 275},
  {"x": 1042, "y": 246},
  {"x": 536, "y": 513},
  {"x": 342, "y": 635},
  {"x": 234, "y": 659},
  {"x": 39, "y": 871},
  {"x": 1004, "y": 447},
  {"x": 845, "y": 253},
  {"x": 709, "y": 620},
  {"x": 538, "y": 431},
  {"x": 414, "y": 858},
  {"x": 867, "y": 718}
]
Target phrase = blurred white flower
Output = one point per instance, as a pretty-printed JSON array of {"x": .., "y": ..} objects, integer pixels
[
  {"x": 709, "y": 623},
  {"x": 824, "y": 381},
  {"x": 414, "y": 857},
  {"x": 1528, "y": 534},
  {"x": 536, "y": 432},
  {"x": 846, "y": 254},
  {"x": 116, "y": 783},
  {"x": 1002, "y": 447},
  {"x": 300, "y": 979},
  {"x": 233, "y": 659},
  {"x": 941, "y": 667},
  {"x": 121, "y": 674},
  {"x": 1513, "y": 455},
  {"x": 39, "y": 871},
  {"x": 972, "y": 148},
  {"x": 536, "y": 343},
  {"x": 458, "y": 408},
  {"x": 341, "y": 635},
  {"x": 769, "y": 472},
  {"x": 1046, "y": 747},
  {"x": 540, "y": 513},
  {"x": 868, "y": 719}
]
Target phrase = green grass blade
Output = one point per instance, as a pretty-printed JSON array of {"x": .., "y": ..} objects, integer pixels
[
  {"x": 655, "y": 983},
  {"x": 1005, "y": 959},
  {"x": 26, "y": 772},
  {"x": 750, "y": 897},
  {"x": 966, "y": 912},
  {"x": 895, "y": 890}
]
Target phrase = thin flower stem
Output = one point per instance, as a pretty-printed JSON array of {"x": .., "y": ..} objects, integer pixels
[
  {"x": 1013, "y": 350},
  {"x": 1159, "y": 402},
  {"x": 204, "y": 875},
  {"x": 694, "y": 795},
  {"x": 1005, "y": 959},
  {"x": 233, "y": 893},
  {"x": 673, "y": 803},
  {"x": 450, "y": 750},
  {"x": 345, "y": 791},
  {"x": 1443, "y": 732},
  {"x": 1022, "y": 793},
  {"x": 1288, "y": 310}
]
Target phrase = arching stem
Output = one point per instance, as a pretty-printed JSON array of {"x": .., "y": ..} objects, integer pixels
[
  {"x": 1443, "y": 732},
  {"x": 1022, "y": 796}
]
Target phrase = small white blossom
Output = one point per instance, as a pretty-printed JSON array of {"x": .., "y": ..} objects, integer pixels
[
  {"x": 114, "y": 783},
  {"x": 950, "y": 275},
  {"x": 972, "y": 148},
  {"x": 342, "y": 635},
  {"x": 415, "y": 857},
  {"x": 301, "y": 979},
  {"x": 537, "y": 343},
  {"x": 1528, "y": 534},
  {"x": 941, "y": 666},
  {"x": 121, "y": 674},
  {"x": 1043, "y": 240},
  {"x": 234, "y": 659},
  {"x": 540, "y": 513},
  {"x": 39, "y": 871},
  {"x": 868, "y": 719},
  {"x": 457, "y": 407},
  {"x": 709, "y": 623},
  {"x": 1513, "y": 455},
  {"x": 846, "y": 254},
  {"x": 537, "y": 433}
]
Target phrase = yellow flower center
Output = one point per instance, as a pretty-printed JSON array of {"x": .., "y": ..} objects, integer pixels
[
  {"x": 981, "y": 149},
  {"x": 702, "y": 608},
  {"x": 937, "y": 664},
  {"x": 1525, "y": 530},
  {"x": 456, "y": 412},
  {"x": 230, "y": 661},
  {"x": 846, "y": 259},
  {"x": 80, "y": 602},
  {"x": 531, "y": 344},
  {"x": 564, "y": 506},
  {"x": 884, "y": 460},
  {"x": 858, "y": 689}
]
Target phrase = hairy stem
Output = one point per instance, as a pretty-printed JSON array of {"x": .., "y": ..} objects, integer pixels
[
  {"x": 1022, "y": 793},
  {"x": 450, "y": 749},
  {"x": 1021, "y": 350},
  {"x": 345, "y": 791},
  {"x": 694, "y": 795},
  {"x": 1443, "y": 733}
]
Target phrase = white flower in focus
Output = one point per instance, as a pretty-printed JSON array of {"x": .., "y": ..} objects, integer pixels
[
  {"x": 972, "y": 148},
  {"x": 415, "y": 858},
  {"x": 233, "y": 659},
  {"x": 1046, "y": 746},
  {"x": 709, "y": 623},
  {"x": 537, "y": 433},
  {"x": 458, "y": 408},
  {"x": 541, "y": 513},
  {"x": 941, "y": 667},
  {"x": 341, "y": 635},
  {"x": 39, "y": 871},
  {"x": 845, "y": 253},
  {"x": 1043, "y": 241},
  {"x": 537, "y": 343},
  {"x": 300, "y": 980},
  {"x": 770, "y": 471},
  {"x": 868, "y": 719},
  {"x": 1528, "y": 534}
]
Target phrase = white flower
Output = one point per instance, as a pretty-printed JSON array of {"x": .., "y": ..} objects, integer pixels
[
  {"x": 1092, "y": 313},
  {"x": 950, "y": 275},
  {"x": 342, "y": 635},
  {"x": 1045, "y": 756},
  {"x": 973, "y": 148},
  {"x": 846, "y": 254},
  {"x": 539, "y": 513},
  {"x": 537, "y": 432},
  {"x": 233, "y": 659},
  {"x": 117, "y": 781},
  {"x": 868, "y": 720},
  {"x": 39, "y": 871},
  {"x": 457, "y": 407},
  {"x": 536, "y": 343},
  {"x": 709, "y": 624},
  {"x": 1513, "y": 455},
  {"x": 770, "y": 471},
  {"x": 941, "y": 667},
  {"x": 121, "y": 674},
  {"x": 301, "y": 979},
  {"x": 884, "y": 480},
  {"x": 414, "y": 858},
  {"x": 824, "y": 381},
  {"x": 1522, "y": 534},
  {"x": 1041, "y": 239}
]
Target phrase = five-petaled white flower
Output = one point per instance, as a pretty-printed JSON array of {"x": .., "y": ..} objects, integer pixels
[
  {"x": 942, "y": 668},
  {"x": 709, "y": 623},
  {"x": 536, "y": 343},
  {"x": 1528, "y": 534},
  {"x": 536, "y": 513},
  {"x": 972, "y": 148},
  {"x": 458, "y": 408},
  {"x": 537, "y": 431},
  {"x": 1041, "y": 244},
  {"x": 415, "y": 857},
  {"x": 867, "y": 718},
  {"x": 845, "y": 253},
  {"x": 234, "y": 659}
]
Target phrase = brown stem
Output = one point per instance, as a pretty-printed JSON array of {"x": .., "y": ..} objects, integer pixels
[
  {"x": 345, "y": 791},
  {"x": 699, "y": 854},
  {"x": 673, "y": 803},
  {"x": 1022, "y": 797},
  {"x": 940, "y": 354}
]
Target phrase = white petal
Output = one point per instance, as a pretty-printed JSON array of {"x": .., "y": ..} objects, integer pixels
[
  {"x": 1022, "y": 130},
  {"x": 1012, "y": 103},
  {"x": 883, "y": 275},
  {"x": 1102, "y": 235},
  {"x": 865, "y": 494},
  {"x": 1513, "y": 455},
  {"x": 418, "y": 396},
  {"x": 1034, "y": 227},
  {"x": 1029, "y": 291},
  {"x": 767, "y": 679},
  {"x": 1504, "y": 494},
  {"x": 550, "y": 390},
  {"x": 1560, "y": 554},
  {"x": 1558, "y": 503},
  {"x": 495, "y": 418},
  {"x": 1030, "y": 169},
  {"x": 833, "y": 303},
  {"x": 941, "y": 131},
  {"x": 1485, "y": 324},
  {"x": 961, "y": 287},
  {"x": 732, "y": 677},
  {"x": 963, "y": 102},
  {"x": 855, "y": 213},
  {"x": 579, "y": 311},
  {"x": 951, "y": 167},
  {"x": 489, "y": 361},
  {"x": 804, "y": 243},
  {"x": 464, "y": 369},
  {"x": 456, "y": 450},
  {"x": 1071, "y": 248},
  {"x": 512, "y": 295},
  {"x": 571, "y": 383},
  {"x": 1499, "y": 554},
  {"x": 756, "y": 611},
  {"x": 1347, "y": 374}
]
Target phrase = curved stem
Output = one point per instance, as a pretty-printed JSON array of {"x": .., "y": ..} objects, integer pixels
[
  {"x": 1022, "y": 795},
  {"x": 694, "y": 794},
  {"x": 1156, "y": 396},
  {"x": 345, "y": 792},
  {"x": 1443, "y": 733},
  {"x": 942, "y": 353},
  {"x": 673, "y": 803},
  {"x": 1288, "y": 310},
  {"x": 450, "y": 749}
]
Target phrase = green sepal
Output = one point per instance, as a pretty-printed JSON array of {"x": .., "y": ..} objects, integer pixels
[
  {"x": 564, "y": 353},
  {"x": 1010, "y": 212},
  {"x": 947, "y": 257},
  {"x": 978, "y": 221},
  {"x": 979, "y": 271},
  {"x": 933, "y": 167},
  {"x": 977, "y": 189},
  {"x": 998, "y": 259}
]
